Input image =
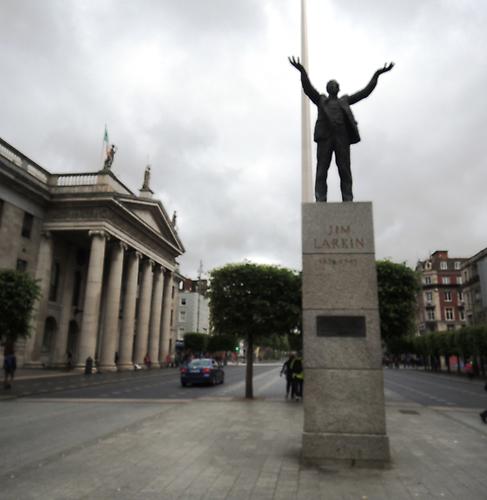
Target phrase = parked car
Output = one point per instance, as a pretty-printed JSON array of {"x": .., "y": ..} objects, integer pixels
[{"x": 202, "y": 371}]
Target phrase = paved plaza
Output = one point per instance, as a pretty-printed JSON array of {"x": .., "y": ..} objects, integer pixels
[{"x": 213, "y": 448}]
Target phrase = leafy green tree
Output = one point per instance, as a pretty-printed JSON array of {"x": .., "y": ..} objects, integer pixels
[
  {"x": 18, "y": 292},
  {"x": 467, "y": 342},
  {"x": 398, "y": 287},
  {"x": 253, "y": 302},
  {"x": 295, "y": 341},
  {"x": 195, "y": 342},
  {"x": 218, "y": 343}
]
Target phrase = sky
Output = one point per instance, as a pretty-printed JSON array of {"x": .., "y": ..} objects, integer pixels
[{"x": 202, "y": 91}]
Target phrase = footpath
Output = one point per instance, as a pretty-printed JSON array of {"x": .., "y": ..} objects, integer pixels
[{"x": 236, "y": 449}]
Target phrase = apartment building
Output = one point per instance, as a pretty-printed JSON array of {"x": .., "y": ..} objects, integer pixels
[{"x": 441, "y": 300}]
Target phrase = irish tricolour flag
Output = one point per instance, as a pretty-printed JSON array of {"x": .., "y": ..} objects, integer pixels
[{"x": 106, "y": 142}]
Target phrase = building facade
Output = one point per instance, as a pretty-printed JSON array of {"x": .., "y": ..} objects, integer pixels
[
  {"x": 193, "y": 313},
  {"x": 474, "y": 273},
  {"x": 105, "y": 259},
  {"x": 441, "y": 301}
]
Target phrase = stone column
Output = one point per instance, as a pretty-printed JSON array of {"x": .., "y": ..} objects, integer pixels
[
  {"x": 155, "y": 322},
  {"x": 110, "y": 330},
  {"x": 166, "y": 317},
  {"x": 59, "y": 358},
  {"x": 43, "y": 275},
  {"x": 128, "y": 322},
  {"x": 91, "y": 306},
  {"x": 143, "y": 317},
  {"x": 174, "y": 325}
]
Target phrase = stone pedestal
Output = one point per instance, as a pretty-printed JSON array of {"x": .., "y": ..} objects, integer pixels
[{"x": 344, "y": 414}]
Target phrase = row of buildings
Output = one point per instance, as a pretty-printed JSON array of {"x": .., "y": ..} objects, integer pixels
[
  {"x": 104, "y": 256},
  {"x": 453, "y": 291},
  {"x": 106, "y": 261}
]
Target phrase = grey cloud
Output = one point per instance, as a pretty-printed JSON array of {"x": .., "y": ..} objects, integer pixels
[{"x": 203, "y": 91}]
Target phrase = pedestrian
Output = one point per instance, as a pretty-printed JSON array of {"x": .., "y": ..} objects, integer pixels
[
  {"x": 483, "y": 415},
  {"x": 147, "y": 361},
  {"x": 89, "y": 365},
  {"x": 69, "y": 356},
  {"x": 298, "y": 376},
  {"x": 9, "y": 364},
  {"x": 469, "y": 369},
  {"x": 287, "y": 371}
]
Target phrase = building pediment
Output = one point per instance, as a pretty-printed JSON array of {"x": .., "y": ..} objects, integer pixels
[{"x": 153, "y": 216}]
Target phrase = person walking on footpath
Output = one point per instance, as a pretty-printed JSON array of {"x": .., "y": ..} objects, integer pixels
[
  {"x": 147, "y": 361},
  {"x": 69, "y": 362},
  {"x": 483, "y": 415},
  {"x": 286, "y": 370},
  {"x": 89, "y": 365},
  {"x": 469, "y": 369},
  {"x": 9, "y": 364},
  {"x": 297, "y": 376}
]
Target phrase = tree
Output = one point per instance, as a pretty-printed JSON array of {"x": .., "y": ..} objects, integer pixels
[
  {"x": 467, "y": 342},
  {"x": 195, "y": 342},
  {"x": 218, "y": 343},
  {"x": 398, "y": 287},
  {"x": 295, "y": 340},
  {"x": 254, "y": 301},
  {"x": 18, "y": 292}
]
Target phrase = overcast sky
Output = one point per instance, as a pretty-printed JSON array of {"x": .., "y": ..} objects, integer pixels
[{"x": 202, "y": 90}]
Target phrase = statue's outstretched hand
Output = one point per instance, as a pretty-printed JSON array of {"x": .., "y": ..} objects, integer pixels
[
  {"x": 295, "y": 62},
  {"x": 385, "y": 69}
]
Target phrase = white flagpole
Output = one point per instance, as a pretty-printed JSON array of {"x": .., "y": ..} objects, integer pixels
[{"x": 306, "y": 171}]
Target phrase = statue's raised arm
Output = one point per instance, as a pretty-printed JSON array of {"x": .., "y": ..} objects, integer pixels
[
  {"x": 362, "y": 94},
  {"x": 296, "y": 63},
  {"x": 308, "y": 89}
]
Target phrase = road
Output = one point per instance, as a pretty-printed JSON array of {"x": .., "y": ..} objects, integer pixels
[
  {"x": 432, "y": 389},
  {"x": 67, "y": 435},
  {"x": 400, "y": 385}
]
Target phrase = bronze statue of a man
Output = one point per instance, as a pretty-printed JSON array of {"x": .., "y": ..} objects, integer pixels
[{"x": 335, "y": 128}]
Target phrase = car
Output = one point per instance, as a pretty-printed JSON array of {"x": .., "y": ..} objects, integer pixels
[{"x": 202, "y": 371}]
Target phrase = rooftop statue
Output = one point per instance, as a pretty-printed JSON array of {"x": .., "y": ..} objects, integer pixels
[
  {"x": 110, "y": 157},
  {"x": 146, "y": 184}
]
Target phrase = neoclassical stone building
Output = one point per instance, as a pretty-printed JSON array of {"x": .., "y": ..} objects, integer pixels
[{"x": 105, "y": 259}]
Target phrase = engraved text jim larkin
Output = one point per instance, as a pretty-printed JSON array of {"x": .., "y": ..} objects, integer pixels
[{"x": 339, "y": 237}]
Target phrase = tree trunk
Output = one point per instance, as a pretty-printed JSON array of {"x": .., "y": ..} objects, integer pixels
[{"x": 249, "y": 375}]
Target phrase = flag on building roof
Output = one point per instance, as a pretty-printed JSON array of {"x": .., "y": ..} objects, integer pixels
[{"x": 106, "y": 142}]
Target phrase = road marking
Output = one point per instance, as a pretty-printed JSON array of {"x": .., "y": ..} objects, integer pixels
[
  {"x": 450, "y": 386},
  {"x": 271, "y": 382},
  {"x": 237, "y": 385},
  {"x": 421, "y": 393},
  {"x": 108, "y": 400}
]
